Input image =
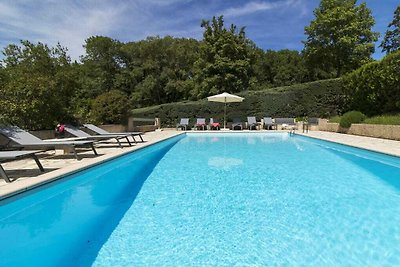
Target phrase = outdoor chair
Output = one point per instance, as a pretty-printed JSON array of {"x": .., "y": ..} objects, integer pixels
[
  {"x": 79, "y": 133},
  {"x": 200, "y": 123},
  {"x": 214, "y": 125},
  {"x": 100, "y": 131},
  {"x": 269, "y": 123},
  {"x": 252, "y": 123},
  {"x": 6, "y": 156},
  {"x": 25, "y": 140},
  {"x": 286, "y": 123},
  {"x": 237, "y": 124},
  {"x": 183, "y": 124}
]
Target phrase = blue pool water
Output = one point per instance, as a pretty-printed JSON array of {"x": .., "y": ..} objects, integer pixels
[{"x": 215, "y": 199}]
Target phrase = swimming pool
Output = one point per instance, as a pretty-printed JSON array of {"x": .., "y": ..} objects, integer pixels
[{"x": 214, "y": 199}]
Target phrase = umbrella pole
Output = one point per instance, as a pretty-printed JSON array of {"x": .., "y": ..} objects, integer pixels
[{"x": 225, "y": 116}]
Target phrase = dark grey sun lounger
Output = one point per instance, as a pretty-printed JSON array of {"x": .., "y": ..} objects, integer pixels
[
  {"x": 25, "y": 140},
  {"x": 6, "y": 156},
  {"x": 79, "y": 133},
  {"x": 237, "y": 123},
  {"x": 100, "y": 131},
  {"x": 252, "y": 123}
]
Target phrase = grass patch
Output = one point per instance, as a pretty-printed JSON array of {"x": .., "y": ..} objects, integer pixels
[{"x": 384, "y": 119}]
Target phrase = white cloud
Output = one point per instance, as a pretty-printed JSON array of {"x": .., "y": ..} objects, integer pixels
[
  {"x": 67, "y": 22},
  {"x": 258, "y": 6},
  {"x": 248, "y": 8}
]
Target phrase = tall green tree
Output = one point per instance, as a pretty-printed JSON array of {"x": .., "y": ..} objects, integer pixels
[
  {"x": 391, "y": 41},
  {"x": 101, "y": 63},
  {"x": 37, "y": 85},
  {"x": 340, "y": 38},
  {"x": 224, "y": 62},
  {"x": 279, "y": 68}
]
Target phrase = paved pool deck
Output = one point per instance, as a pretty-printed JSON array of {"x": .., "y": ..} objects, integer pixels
[
  {"x": 390, "y": 147},
  {"x": 26, "y": 175}
]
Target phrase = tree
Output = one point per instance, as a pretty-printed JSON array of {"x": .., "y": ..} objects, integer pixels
[
  {"x": 224, "y": 63},
  {"x": 374, "y": 88},
  {"x": 110, "y": 107},
  {"x": 158, "y": 70},
  {"x": 37, "y": 85},
  {"x": 279, "y": 68},
  {"x": 340, "y": 38},
  {"x": 101, "y": 64},
  {"x": 391, "y": 41}
]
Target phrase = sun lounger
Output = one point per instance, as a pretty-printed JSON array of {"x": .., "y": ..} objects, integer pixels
[
  {"x": 286, "y": 123},
  {"x": 100, "y": 131},
  {"x": 183, "y": 124},
  {"x": 313, "y": 121},
  {"x": 25, "y": 140},
  {"x": 6, "y": 156},
  {"x": 200, "y": 123},
  {"x": 252, "y": 123},
  {"x": 269, "y": 123},
  {"x": 79, "y": 133},
  {"x": 214, "y": 125},
  {"x": 237, "y": 124}
]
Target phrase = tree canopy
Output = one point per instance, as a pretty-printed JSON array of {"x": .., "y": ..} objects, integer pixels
[
  {"x": 224, "y": 62},
  {"x": 340, "y": 38},
  {"x": 391, "y": 41},
  {"x": 36, "y": 85}
]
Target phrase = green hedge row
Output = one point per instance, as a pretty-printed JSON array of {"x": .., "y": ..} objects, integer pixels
[{"x": 315, "y": 99}]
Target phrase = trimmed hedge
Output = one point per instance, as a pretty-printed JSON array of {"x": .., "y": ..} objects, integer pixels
[{"x": 315, "y": 99}]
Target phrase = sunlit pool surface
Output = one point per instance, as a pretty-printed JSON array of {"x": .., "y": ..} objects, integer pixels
[{"x": 262, "y": 199}]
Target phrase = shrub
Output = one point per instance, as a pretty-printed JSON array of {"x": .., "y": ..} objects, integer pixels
[
  {"x": 351, "y": 117},
  {"x": 110, "y": 107}
]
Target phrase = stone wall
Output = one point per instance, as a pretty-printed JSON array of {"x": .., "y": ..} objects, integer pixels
[
  {"x": 113, "y": 128},
  {"x": 375, "y": 130},
  {"x": 372, "y": 130}
]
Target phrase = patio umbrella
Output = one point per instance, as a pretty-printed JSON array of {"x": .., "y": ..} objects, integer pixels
[{"x": 225, "y": 98}]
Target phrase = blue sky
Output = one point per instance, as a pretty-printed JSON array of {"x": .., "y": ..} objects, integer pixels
[{"x": 271, "y": 24}]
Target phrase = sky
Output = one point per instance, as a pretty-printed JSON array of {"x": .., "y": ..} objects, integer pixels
[{"x": 271, "y": 24}]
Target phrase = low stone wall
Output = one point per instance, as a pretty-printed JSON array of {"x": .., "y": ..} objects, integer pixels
[
  {"x": 324, "y": 125},
  {"x": 371, "y": 130},
  {"x": 113, "y": 128},
  {"x": 374, "y": 130},
  {"x": 118, "y": 128}
]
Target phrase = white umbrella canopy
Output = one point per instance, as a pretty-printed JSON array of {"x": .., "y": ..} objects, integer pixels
[{"x": 225, "y": 98}]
